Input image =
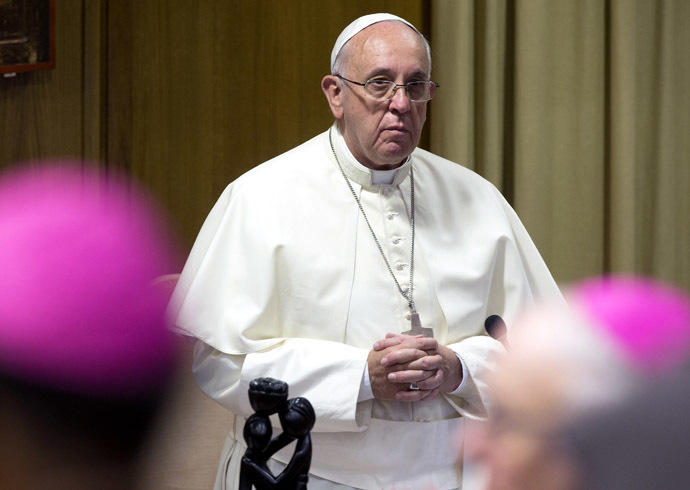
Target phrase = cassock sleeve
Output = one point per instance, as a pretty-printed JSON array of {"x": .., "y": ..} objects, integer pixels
[
  {"x": 519, "y": 275},
  {"x": 236, "y": 295},
  {"x": 328, "y": 374}
]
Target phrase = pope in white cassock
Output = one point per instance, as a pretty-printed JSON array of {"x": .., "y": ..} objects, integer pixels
[{"x": 312, "y": 265}]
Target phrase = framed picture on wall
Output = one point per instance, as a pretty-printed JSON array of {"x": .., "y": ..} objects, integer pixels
[{"x": 27, "y": 35}]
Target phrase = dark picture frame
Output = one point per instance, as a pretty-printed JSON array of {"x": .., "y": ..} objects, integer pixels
[{"x": 27, "y": 35}]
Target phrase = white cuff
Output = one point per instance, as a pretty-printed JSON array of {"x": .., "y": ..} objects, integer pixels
[
  {"x": 460, "y": 389},
  {"x": 365, "y": 390}
]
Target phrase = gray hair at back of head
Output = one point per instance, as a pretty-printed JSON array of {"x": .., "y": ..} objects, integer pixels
[
  {"x": 340, "y": 54},
  {"x": 594, "y": 374}
]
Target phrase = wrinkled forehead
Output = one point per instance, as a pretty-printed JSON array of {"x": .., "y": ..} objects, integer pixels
[
  {"x": 364, "y": 24},
  {"x": 387, "y": 47}
]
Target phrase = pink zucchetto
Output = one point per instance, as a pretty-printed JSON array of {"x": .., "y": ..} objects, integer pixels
[
  {"x": 647, "y": 321},
  {"x": 79, "y": 254}
]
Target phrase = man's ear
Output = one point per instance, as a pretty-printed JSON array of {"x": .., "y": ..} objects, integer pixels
[{"x": 333, "y": 92}]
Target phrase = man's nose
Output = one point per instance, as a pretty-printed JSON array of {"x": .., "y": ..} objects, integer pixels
[{"x": 400, "y": 102}]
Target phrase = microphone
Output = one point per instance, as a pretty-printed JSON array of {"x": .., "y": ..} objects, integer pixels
[{"x": 496, "y": 328}]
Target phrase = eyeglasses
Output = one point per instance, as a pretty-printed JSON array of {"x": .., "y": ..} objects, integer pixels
[{"x": 381, "y": 90}]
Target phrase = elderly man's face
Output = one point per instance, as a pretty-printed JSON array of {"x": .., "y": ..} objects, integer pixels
[
  {"x": 382, "y": 134},
  {"x": 519, "y": 446}
]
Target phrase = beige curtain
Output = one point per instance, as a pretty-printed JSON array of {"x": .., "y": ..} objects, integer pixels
[{"x": 579, "y": 111}]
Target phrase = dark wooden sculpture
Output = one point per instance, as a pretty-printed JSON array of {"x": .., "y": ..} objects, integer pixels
[{"x": 269, "y": 396}]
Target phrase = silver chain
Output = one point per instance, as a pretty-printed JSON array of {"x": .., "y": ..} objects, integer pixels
[{"x": 408, "y": 296}]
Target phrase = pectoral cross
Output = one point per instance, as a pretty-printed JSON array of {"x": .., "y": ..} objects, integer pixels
[{"x": 417, "y": 328}]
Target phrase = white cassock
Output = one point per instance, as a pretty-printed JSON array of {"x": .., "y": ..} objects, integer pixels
[{"x": 286, "y": 281}]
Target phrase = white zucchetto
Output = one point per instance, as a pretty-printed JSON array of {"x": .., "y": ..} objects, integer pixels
[{"x": 358, "y": 25}]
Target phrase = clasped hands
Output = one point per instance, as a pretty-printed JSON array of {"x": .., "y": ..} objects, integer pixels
[{"x": 399, "y": 359}]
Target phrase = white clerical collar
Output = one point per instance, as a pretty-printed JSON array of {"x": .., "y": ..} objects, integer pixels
[{"x": 365, "y": 176}]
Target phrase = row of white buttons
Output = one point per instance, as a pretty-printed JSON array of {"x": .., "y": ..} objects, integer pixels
[{"x": 396, "y": 239}]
